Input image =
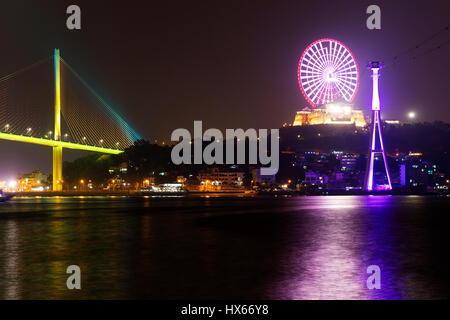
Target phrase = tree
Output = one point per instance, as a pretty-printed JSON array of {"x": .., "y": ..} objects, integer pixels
[
  {"x": 145, "y": 160},
  {"x": 93, "y": 167}
]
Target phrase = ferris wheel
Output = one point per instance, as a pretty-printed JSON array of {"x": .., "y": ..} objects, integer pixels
[{"x": 327, "y": 71}]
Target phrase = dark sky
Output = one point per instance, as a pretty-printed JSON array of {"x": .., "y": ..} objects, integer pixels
[{"x": 229, "y": 63}]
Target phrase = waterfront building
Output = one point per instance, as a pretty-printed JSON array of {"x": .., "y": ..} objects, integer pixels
[
  {"x": 216, "y": 179},
  {"x": 418, "y": 174},
  {"x": 349, "y": 162},
  {"x": 222, "y": 177},
  {"x": 34, "y": 181}
]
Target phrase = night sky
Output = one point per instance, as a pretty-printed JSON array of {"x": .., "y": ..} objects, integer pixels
[{"x": 232, "y": 64}]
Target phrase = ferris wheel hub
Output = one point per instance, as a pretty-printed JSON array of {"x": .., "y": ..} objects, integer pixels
[{"x": 330, "y": 75}]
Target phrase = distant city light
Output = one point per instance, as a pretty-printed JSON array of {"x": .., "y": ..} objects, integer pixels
[
  {"x": 12, "y": 184},
  {"x": 411, "y": 115}
]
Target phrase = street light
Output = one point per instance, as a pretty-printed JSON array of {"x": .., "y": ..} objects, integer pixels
[{"x": 411, "y": 115}]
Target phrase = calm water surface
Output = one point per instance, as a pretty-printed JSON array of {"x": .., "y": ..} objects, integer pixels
[{"x": 225, "y": 247}]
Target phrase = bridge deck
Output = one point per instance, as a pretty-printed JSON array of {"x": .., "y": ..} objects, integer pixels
[{"x": 54, "y": 143}]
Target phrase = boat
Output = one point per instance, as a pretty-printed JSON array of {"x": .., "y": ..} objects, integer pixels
[{"x": 5, "y": 197}]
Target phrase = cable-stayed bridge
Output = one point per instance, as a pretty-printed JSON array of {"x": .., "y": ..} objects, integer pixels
[{"x": 49, "y": 103}]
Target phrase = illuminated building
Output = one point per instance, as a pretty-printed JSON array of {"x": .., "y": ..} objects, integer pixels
[
  {"x": 147, "y": 182},
  {"x": 332, "y": 113},
  {"x": 416, "y": 172},
  {"x": 181, "y": 179},
  {"x": 349, "y": 162},
  {"x": 116, "y": 171},
  {"x": 35, "y": 181},
  {"x": 392, "y": 122},
  {"x": 216, "y": 180}
]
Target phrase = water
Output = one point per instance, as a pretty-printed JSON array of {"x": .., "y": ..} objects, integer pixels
[{"x": 225, "y": 247}]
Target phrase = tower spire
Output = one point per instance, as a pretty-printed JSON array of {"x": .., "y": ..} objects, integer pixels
[{"x": 376, "y": 145}]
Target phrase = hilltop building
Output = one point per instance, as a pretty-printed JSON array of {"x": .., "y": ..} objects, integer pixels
[{"x": 333, "y": 113}]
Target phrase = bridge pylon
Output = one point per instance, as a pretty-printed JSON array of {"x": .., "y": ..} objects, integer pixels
[
  {"x": 57, "y": 150},
  {"x": 78, "y": 121}
]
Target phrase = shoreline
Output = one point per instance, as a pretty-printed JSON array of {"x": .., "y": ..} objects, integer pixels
[{"x": 209, "y": 193}]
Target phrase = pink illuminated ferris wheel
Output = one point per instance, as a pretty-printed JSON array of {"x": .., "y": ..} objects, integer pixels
[{"x": 327, "y": 71}]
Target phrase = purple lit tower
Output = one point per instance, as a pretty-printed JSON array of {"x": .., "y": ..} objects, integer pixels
[{"x": 376, "y": 145}]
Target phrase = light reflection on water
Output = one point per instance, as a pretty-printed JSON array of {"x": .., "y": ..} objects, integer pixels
[
  {"x": 331, "y": 266},
  {"x": 11, "y": 254},
  {"x": 332, "y": 261},
  {"x": 200, "y": 248}
]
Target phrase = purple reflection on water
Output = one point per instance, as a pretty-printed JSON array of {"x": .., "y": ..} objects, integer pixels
[{"x": 332, "y": 260}]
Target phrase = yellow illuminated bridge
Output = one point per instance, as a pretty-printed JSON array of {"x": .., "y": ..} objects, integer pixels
[{"x": 67, "y": 114}]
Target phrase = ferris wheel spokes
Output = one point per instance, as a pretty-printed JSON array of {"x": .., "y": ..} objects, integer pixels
[{"x": 327, "y": 70}]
